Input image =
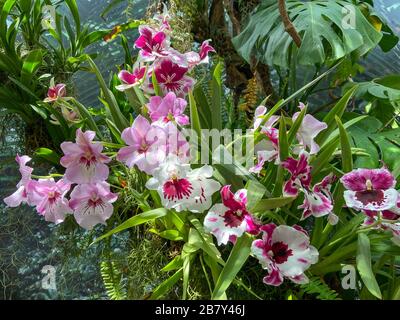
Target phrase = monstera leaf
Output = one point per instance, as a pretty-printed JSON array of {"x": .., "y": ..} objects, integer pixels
[
  {"x": 321, "y": 25},
  {"x": 382, "y": 146}
]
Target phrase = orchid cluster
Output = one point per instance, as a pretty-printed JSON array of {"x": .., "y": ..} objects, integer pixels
[
  {"x": 86, "y": 174},
  {"x": 155, "y": 146}
]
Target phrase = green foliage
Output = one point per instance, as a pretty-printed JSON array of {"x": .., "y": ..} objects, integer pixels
[
  {"x": 319, "y": 289},
  {"x": 319, "y": 23},
  {"x": 113, "y": 280}
]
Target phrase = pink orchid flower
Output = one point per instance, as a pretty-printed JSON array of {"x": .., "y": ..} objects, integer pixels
[
  {"x": 319, "y": 201},
  {"x": 169, "y": 108},
  {"x": 153, "y": 44},
  {"x": 267, "y": 150},
  {"x": 130, "y": 80},
  {"x": 309, "y": 130},
  {"x": 182, "y": 188},
  {"x": 83, "y": 160},
  {"x": 370, "y": 189},
  {"x": 55, "y": 92},
  {"x": 230, "y": 219},
  {"x": 92, "y": 204},
  {"x": 259, "y": 114},
  {"x": 285, "y": 252},
  {"x": 21, "y": 195},
  {"x": 146, "y": 145},
  {"x": 194, "y": 58},
  {"x": 172, "y": 77},
  {"x": 49, "y": 198},
  {"x": 176, "y": 143},
  {"x": 300, "y": 172}
]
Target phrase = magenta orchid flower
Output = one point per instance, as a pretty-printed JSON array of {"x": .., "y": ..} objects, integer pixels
[
  {"x": 300, "y": 172},
  {"x": 49, "y": 198},
  {"x": 146, "y": 145},
  {"x": 370, "y": 189},
  {"x": 21, "y": 195},
  {"x": 83, "y": 160},
  {"x": 319, "y": 201},
  {"x": 130, "y": 80},
  {"x": 267, "y": 150},
  {"x": 92, "y": 204},
  {"x": 172, "y": 77},
  {"x": 285, "y": 252},
  {"x": 153, "y": 44},
  {"x": 201, "y": 57},
  {"x": 182, "y": 188},
  {"x": 55, "y": 92},
  {"x": 230, "y": 219},
  {"x": 169, "y": 108},
  {"x": 309, "y": 130}
]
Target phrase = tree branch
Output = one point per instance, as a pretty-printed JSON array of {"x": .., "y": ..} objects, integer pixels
[{"x": 289, "y": 27}]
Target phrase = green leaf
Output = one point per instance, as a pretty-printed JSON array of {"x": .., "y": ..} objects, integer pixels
[
  {"x": 283, "y": 140},
  {"x": 48, "y": 155},
  {"x": 175, "y": 264},
  {"x": 87, "y": 117},
  {"x": 364, "y": 265},
  {"x": 216, "y": 96},
  {"x": 135, "y": 221},
  {"x": 73, "y": 7},
  {"x": 173, "y": 235},
  {"x": 347, "y": 157},
  {"x": 157, "y": 89},
  {"x": 194, "y": 116},
  {"x": 272, "y": 203},
  {"x": 208, "y": 245},
  {"x": 255, "y": 192},
  {"x": 31, "y": 64},
  {"x": 166, "y": 286},
  {"x": 336, "y": 111},
  {"x": 320, "y": 25},
  {"x": 118, "y": 118},
  {"x": 235, "y": 262}
]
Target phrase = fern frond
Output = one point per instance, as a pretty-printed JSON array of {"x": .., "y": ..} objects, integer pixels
[
  {"x": 319, "y": 288},
  {"x": 113, "y": 280}
]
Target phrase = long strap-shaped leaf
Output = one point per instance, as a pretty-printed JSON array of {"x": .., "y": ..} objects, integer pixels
[
  {"x": 135, "y": 221},
  {"x": 119, "y": 119},
  {"x": 236, "y": 260}
]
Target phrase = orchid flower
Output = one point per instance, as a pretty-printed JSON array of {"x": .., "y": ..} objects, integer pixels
[
  {"x": 319, "y": 201},
  {"x": 83, "y": 160},
  {"x": 172, "y": 77},
  {"x": 49, "y": 198},
  {"x": 267, "y": 150},
  {"x": 55, "y": 92},
  {"x": 21, "y": 195},
  {"x": 176, "y": 143},
  {"x": 259, "y": 114},
  {"x": 285, "y": 252},
  {"x": 169, "y": 108},
  {"x": 300, "y": 172},
  {"x": 309, "y": 130},
  {"x": 370, "y": 189},
  {"x": 153, "y": 44},
  {"x": 130, "y": 80},
  {"x": 230, "y": 219},
  {"x": 146, "y": 145},
  {"x": 92, "y": 204},
  {"x": 182, "y": 188},
  {"x": 201, "y": 57}
]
